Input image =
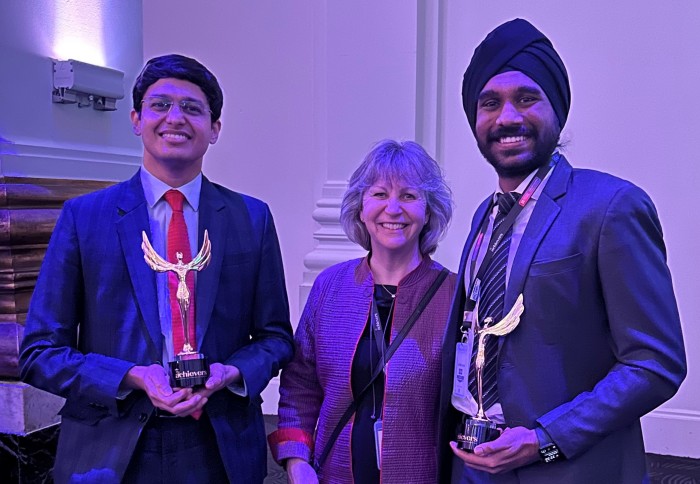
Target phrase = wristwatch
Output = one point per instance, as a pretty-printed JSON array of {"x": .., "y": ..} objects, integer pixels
[{"x": 549, "y": 452}]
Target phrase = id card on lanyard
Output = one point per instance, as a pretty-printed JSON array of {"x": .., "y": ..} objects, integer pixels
[
  {"x": 460, "y": 386},
  {"x": 380, "y": 340},
  {"x": 378, "y": 431}
]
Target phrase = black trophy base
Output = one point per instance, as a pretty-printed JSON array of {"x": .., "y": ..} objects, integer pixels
[
  {"x": 189, "y": 370},
  {"x": 475, "y": 431}
]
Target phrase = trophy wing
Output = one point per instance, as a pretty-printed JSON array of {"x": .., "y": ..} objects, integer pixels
[
  {"x": 201, "y": 260},
  {"x": 509, "y": 322},
  {"x": 154, "y": 261}
]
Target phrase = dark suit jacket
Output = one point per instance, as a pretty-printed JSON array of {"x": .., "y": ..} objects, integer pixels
[
  {"x": 94, "y": 315},
  {"x": 599, "y": 344}
]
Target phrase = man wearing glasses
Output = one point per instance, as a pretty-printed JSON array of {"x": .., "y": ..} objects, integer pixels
[{"x": 102, "y": 324}]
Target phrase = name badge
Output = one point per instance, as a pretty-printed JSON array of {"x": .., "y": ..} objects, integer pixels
[
  {"x": 460, "y": 385},
  {"x": 378, "y": 442},
  {"x": 476, "y": 290}
]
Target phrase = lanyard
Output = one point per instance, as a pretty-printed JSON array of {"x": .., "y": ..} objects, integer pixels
[
  {"x": 350, "y": 410},
  {"x": 378, "y": 331},
  {"x": 497, "y": 235}
]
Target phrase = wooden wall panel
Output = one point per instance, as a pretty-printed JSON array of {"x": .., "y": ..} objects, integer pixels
[{"x": 29, "y": 208}]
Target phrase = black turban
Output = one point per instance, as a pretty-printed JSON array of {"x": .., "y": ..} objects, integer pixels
[{"x": 517, "y": 46}]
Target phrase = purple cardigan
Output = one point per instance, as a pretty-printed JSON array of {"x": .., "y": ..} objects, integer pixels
[{"x": 315, "y": 387}]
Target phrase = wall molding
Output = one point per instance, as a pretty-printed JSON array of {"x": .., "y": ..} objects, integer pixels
[
  {"x": 672, "y": 431},
  {"x": 430, "y": 75},
  {"x": 30, "y": 159}
]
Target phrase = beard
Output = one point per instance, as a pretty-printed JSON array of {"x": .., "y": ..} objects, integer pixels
[{"x": 545, "y": 141}]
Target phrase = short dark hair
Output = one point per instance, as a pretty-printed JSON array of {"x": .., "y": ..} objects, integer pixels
[
  {"x": 399, "y": 161},
  {"x": 178, "y": 66}
]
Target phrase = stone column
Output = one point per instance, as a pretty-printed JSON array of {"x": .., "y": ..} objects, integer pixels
[
  {"x": 333, "y": 245},
  {"x": 376, "y": 77}
]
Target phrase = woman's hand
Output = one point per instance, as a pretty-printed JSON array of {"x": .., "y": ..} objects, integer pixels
[{"x": 300, "y": 472}]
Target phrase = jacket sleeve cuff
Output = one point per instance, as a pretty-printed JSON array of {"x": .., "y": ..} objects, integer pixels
[
  {"x": 287, "y": 443},
  {"x": 100, "y": 381}
]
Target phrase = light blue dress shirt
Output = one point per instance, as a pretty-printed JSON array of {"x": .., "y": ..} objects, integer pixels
[{"x": 159, "y": 213}]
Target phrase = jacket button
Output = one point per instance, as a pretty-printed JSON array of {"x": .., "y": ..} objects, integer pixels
[{"x": 143, "y": 417}]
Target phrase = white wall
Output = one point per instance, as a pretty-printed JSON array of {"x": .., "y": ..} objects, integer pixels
[{"x": 56, "y": 140}]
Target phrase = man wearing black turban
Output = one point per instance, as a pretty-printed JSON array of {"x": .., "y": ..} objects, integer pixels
[{"x": 599, "y": 343}]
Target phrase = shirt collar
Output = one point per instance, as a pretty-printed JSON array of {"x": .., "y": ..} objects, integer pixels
[
  {"x": 154, "y": 189},
  {"x": 523, "y": 185}
]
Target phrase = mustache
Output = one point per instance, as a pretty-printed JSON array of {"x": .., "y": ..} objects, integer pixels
[{"x": 507, "y": 131}]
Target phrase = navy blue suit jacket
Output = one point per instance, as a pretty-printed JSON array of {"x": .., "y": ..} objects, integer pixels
[
  {"x": 599, "y": 344},
  {"x": 94, "y": 315}
]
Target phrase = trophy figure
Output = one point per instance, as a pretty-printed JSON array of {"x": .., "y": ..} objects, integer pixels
[
  {"x": 479, "y": 429},
  {"x": 189, "y": 368}
]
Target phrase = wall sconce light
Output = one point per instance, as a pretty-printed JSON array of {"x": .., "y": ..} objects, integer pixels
[{"x": 86, "y": 84}]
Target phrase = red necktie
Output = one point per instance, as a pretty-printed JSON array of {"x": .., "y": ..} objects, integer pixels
[{"x": 178, "y": 241}]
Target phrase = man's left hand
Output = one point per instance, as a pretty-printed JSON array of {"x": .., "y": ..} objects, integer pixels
[
  {"x": 514, "y": 448},
  {"x": 220, "y": 376}
]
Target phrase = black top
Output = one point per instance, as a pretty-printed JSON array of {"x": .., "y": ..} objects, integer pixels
[{"x": 364, "y": 457}]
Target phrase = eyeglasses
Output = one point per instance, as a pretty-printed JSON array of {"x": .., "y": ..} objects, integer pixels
[{"x": 162, "y": 105}]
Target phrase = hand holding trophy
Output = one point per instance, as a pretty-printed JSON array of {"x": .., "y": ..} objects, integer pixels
[
  {"x": 479, "y": 429},
  {"x": 190, "y": 368}
]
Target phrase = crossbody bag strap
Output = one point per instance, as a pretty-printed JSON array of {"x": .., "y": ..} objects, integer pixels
[{"x": 318, "y": 462}]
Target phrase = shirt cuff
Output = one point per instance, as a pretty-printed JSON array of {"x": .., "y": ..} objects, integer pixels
[
  {"x": 543, "y": 438},
  {"x": 240, "y": 389}
]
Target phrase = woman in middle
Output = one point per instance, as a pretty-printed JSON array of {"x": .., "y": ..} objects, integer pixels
[{"x": 397, "y": 206}]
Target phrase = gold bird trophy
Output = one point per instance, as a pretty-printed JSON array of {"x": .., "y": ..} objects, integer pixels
[
  {"x": 479, "y": 429},
  {"x": 189, "y": 368}
]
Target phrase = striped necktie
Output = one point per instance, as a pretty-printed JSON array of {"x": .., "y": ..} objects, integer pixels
[{"x": 491, "y": 300}]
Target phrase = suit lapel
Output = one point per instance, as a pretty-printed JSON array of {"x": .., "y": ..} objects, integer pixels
[
  {"x": 133, "y": 219},
  {"x": 545, "y": 212},
  {"x": 211, "y": 218}
]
